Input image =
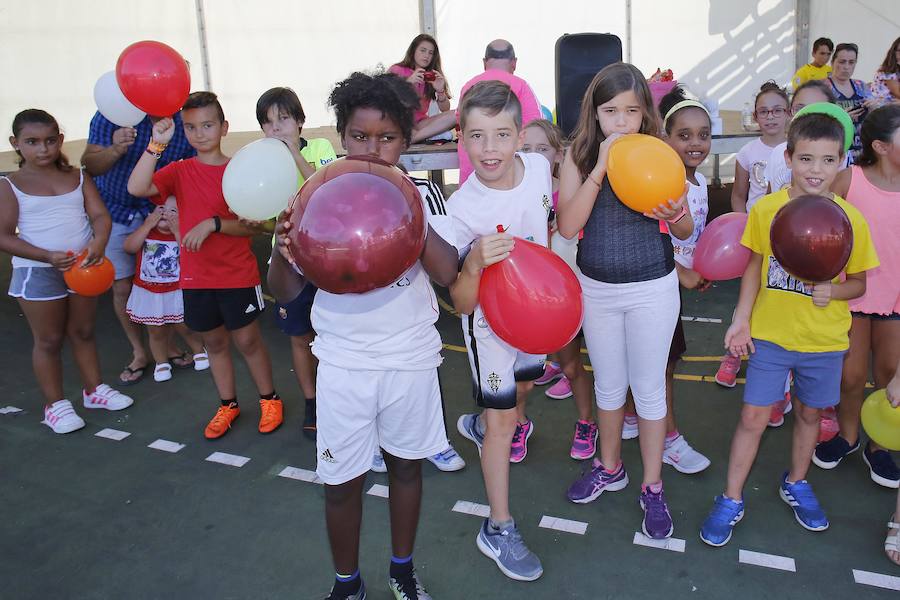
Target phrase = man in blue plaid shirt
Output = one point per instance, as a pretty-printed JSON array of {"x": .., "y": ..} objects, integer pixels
[{"x": 110, "y": 156}]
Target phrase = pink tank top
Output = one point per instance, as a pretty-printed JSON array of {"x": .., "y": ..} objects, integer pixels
[{"x": 881, "y": 210}]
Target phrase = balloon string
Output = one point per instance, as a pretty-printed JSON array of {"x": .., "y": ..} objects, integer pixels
[{"x": 501, "y": 229}]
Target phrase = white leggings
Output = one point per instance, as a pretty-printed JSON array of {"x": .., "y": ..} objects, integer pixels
[{"x": 628, "y": 330}]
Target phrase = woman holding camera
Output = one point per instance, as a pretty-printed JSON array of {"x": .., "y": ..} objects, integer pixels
[{"x": 421, "y": 67}]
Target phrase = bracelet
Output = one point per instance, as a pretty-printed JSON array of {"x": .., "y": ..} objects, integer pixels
[
  {"x": 218, "y": 223},
  {"x": 680, "y": 215},
  {"x": 595, "y": 182},
  {"x": 156, "y": 149}
]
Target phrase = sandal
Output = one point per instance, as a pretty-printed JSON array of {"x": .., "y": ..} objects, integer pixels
[
  {"x": 162, "y": 372},
  {"x": 182, "y": 361},
  {"x": 892, "y": 541},
  {"x": 201, "y": 361},
  {"x": 139, "y": 371}
]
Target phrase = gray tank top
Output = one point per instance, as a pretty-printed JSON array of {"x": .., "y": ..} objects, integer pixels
[{"x": 621, "y": 245}]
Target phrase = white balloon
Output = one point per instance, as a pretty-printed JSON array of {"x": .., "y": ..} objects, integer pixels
[
  {"x": 113, "y": 104},
  {"x": 260, "y": 180}
]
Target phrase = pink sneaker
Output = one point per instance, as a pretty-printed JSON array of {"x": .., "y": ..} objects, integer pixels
[
  {"x": 630, "y": 429},
  {"x": 728, "y": 370},
  {"x": 560, "y": 390},
  {"x": 779, "y": 409},
  {"x": 552, "y": 372},
  {"x": 584, "y": 445},
  {"x": 519, "y": 448},
  {"x": 828, "y": 425}
]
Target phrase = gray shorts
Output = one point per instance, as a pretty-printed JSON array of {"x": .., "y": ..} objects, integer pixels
[
  {"x": 123, "y": 262},
  {"x": 38, "y": 283}
]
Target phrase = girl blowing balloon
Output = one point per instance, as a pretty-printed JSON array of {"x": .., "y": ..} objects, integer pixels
[{"x": 49, "y": 213}]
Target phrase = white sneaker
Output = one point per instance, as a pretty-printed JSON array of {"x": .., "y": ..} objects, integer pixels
[
  {"x": 162, "y": 372},
  {"x": 201, "y": 361},
  {"x": 106, "y": 397},
  {"x": 378, "y": 465},
  {"x": 61, "y": 417},
  {"x": 630, "y": 427},
  {"x": 685, "y": 459},
  {"x": 447, "y": 460}
]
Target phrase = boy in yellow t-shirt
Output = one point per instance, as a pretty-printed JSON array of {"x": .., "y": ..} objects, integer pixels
[
  {"x": 819, "y": 67},
  {"x": 790, "y": 325}
]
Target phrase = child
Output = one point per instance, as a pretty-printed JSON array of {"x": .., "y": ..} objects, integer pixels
[
  {"x": 49, "y": 213},
  {"x": 281, "y": 116},
  {"x": 886, "y": 84},
  {"x": 155, "y": 299},
  {"x": 872, "y": 187},
  {"x": 788, "y": 325},
  {"x": 850, "y": 94},
  {"x": 512, "y": 190},
  {"x": 819, "y": 67},
  {"x": 421, "y": 68},
  {"x": 378, "y": 355},
  {"x": 219, "y": 276},
  {"x": 629, "y": 285}
]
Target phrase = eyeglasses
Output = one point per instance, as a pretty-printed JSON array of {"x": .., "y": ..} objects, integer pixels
[{"x": 765, "y": 113}]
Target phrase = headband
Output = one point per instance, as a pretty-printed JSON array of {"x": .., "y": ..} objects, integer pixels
[{"x": 684, "y": 104}]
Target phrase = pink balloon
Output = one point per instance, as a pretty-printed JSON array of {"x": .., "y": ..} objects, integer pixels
[{"x": 719, "y": 254}]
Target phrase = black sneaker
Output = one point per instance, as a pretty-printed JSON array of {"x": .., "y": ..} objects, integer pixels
[
  {"x": 309, "y": 421},
  {"x": 408, "y": 588},
  {"x": 829, "y": 454},
  {"x": 360, "y": 595},
  {"x": 882, "y": 467}
]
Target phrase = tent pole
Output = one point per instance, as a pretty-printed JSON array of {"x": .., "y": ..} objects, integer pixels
[{"x": 204, "y": 47}]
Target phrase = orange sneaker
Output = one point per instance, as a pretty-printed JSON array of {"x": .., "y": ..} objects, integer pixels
[
  {"x": 271, "y": 414},
  {"x": 221, "y": 423}
]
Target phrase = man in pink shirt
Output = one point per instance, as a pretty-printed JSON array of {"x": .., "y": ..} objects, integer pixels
[{"x": 500, "y": 64}]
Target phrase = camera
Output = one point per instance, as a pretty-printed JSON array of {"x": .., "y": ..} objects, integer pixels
[{"x": 429, "y": 76}]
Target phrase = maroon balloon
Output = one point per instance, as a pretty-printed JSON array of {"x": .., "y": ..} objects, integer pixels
[
  {"x": 812, "y": 238},
  {"x": 719, "y": 254},
  {"x": 532, "y": 299},
  {"x": 358, "y": 224}
]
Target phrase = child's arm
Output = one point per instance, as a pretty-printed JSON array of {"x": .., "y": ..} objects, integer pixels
[
  {"x": 140, "y": 183},
  {"x": 16, "y": 246},
  {"x": 741, "y": 190},
  {"x": 577, "y": 197},
  {"x": 285, "y": 282},
  {"x": 691, "y": 279},
  {"x": 853, "y": 287},
  {"x": 737, "y": 338},
  {"x": 101, "y": 223},
  {"x": 439, "y": 259},
  {"x": 194, "y": 238},
  {"x": 135, "y": 240},
  {"x": 484, "y": 252}
]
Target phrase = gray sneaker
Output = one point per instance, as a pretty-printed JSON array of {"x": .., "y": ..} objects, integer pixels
[
  {"x": 508, "y": 550},
  {"x": 470, "y": 427},
  {"x": 360, "y": 595},
  {"x": 408, "y": 588}
]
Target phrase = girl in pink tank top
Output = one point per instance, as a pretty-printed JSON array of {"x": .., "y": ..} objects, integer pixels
[{"x": 872, "y": 186}]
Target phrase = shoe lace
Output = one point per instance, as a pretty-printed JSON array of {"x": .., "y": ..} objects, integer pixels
[
  {"x": 268, "y": 409},
  {"x": 517, "y": 436},
  {"x": 221, "y": 417},
  {"x": 732, "y": 364},
  {"x": 582, "y": 432},
  {"x": 517, "y": 547},
  {"x": 410, "y": 586},
  {"x": 655, "y": 503}
]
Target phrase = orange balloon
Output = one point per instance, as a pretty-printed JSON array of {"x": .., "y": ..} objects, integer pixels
[
  {"x": 90, "y": 281},
  {"x": 644, "y": 172}
]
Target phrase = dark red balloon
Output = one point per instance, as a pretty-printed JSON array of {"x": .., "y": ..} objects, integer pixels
[
  {"x": 154, "y": 77},
  {"x": 358, "y": 224},
  {"x": 812, "y": 238},
  {"x": 532, "y": 299}
]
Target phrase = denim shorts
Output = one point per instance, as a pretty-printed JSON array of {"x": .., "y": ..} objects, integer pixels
[
  {"x": 123, "y": 262},
  {"x": 38, "y": 283},
  {"x": 817, "y": 375}
]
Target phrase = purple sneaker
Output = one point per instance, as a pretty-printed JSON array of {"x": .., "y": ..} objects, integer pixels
[
  {"x": 595, "y": 481},
  {"x": 552, "y": 372},
  {"x": 584, "y": 446},
  {"x": 657, "y": 522},
  {"x": 519, "y": 448}
]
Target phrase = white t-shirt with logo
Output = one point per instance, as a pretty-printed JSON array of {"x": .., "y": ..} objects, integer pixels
[
  {"x": 387, "y": 329},
  {"x": 522, "y": 211},
  {"x": 754, "y": 157},
  {"x": 698, "y": 202}
]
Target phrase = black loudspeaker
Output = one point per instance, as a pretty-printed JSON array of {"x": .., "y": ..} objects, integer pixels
[{"x": 579, "y": 56}]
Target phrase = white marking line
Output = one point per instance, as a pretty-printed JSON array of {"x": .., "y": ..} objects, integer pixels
[
  {"x": 9, "y": 409},
  {"x": 472, "y": 508},
  {"x": 166, "y": 446},
  {"x": 112, "y": 434},
  {"x": 701, "y": 319},
  {"x": 888, "y": 582},
  {"x": 379, "y": 490},
  {"x": 232, "y": 460},
  {"x": 772, "y": 561},
  {"x": 300, "y": 475},
  {"x": 566, "y": 525},
  {"x": 673, "y": 544}
]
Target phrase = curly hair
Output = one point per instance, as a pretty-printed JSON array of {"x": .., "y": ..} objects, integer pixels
[{"x": 390, "y": 94}]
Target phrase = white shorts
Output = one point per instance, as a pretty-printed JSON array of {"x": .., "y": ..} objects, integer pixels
[
  {"x": 153, "y": 308},
  {"x": 359, "y": 411},
  {"x": 496, "y": 366}
]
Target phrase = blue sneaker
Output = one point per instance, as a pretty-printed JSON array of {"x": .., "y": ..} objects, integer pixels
[
  {"x": 447, "y": 460},
  {"x": 470, "y": 428},
  {"x": 800, "y": 497},
  {"x": 717, "y": 528},
  {"x": 507, "y": 549}
]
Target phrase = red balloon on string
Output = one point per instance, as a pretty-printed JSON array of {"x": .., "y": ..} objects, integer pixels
[
  {"x": 90, "y": 281},
  {"x": 719, "y": 254},
  {"x": 812, "y": 238},
  {"x": 154, "y": 77},
  {"x": 358, "y": 224},
  {"x": 532, "y": 299}
]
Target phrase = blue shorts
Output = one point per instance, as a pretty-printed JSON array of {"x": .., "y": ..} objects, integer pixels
[
  {"x": 293, "y": 318},
  {"x": 38, "y": 283},
  {"x": 817, "y": 375},
  {"x": 123, "y": 262}
]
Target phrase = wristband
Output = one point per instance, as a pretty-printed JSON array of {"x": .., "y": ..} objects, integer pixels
[
  {"x": 595, "y": 182},
  {"x": 679, "y": 216},
  {"x": 218, "y": 223},
  {"x": 156, "y": 149}
]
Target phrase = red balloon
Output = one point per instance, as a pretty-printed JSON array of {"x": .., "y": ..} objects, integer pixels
[
  {"x": 90, "y": 281},
  {"x": 719, "y": 254},
  {"x": 358, "y": 224},
  {"x": 811, "y": 238},
  {"x": 154, "y": 77},
  {"x": 532, "y": 299}
]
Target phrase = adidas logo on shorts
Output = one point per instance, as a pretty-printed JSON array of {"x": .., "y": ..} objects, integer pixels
[{"x": 327, "y": 456}]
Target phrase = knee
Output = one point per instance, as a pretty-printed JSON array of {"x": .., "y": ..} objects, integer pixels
[
  {"x": 248, "y": 343},
  {"x": 755, "y": 418},
  {"x": 573, "y": 369},
  {"x": 852, "y": 380},
  {"x": 403, "y": 471},
  {"x": 81, "y": 333},
  {"x": 807, "y": 415},
  {"x": 216, "y": 343},
  {"x": 122, "y": 289},
  {"x": 338, "y": 495},
  {"x": 499, "y": 423},
  {"x": 49, "y": 343},
  {"x": 157, "y": 333},
  {"x": 651, "y": 407}
]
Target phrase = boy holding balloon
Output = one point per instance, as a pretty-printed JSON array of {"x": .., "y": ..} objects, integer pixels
[
  {"x": 219, "y": 276},
  {"x": 787, "y": 323}
]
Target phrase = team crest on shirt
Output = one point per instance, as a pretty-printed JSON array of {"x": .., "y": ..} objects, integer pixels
[
  {"x": 546, "y": 202},
  {"x": 482, "y": 323},
  {"x": 779, "y": 279},
  {"x": 403, "y": 282},
  {"x": 494, "y": 381},
  {"x": 282, "y": 312}
]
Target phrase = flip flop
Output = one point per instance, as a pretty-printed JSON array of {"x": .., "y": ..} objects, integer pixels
[
  {"x": 141, "y": 370},
  {"x": 186, "y": 360}
]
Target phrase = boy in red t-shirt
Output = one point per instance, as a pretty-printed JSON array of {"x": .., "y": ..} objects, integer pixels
[{"x": 219, "y": 276}]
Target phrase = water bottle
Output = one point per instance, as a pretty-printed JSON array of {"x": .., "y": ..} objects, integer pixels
[{"x": 747, "y": 117}]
